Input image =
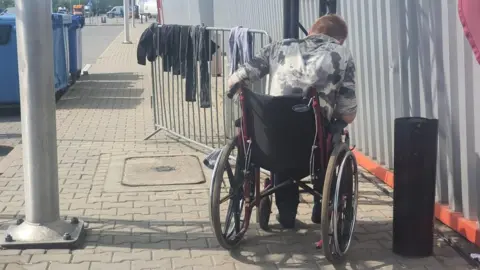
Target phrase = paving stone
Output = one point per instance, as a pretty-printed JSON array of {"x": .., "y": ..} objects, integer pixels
[
  {"x": 166, "y": 253},
  {"x": 61, "y": 258},
  {"x": 200, "y": 261},
  {"x": 14, "y": 259},
  {"x": 102, "y": 248},
  {"x": 116, "y": 266},
  {"x": 69, "y": 266},
  {"x": 162, "y": 264},
  {"x": 10, "y": 252},
  {"x": 101, "y": 257},
  {"x": 35, "y": 266},
  {"x": 131, "y": 256}
]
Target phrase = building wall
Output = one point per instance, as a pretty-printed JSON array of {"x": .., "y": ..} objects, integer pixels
[
  {"x": 188, "y": 12},
  {"x": 412, "y": 60}
]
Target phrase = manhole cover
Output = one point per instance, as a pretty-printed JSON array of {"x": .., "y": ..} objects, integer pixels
[{"x": 165, "y": 170}]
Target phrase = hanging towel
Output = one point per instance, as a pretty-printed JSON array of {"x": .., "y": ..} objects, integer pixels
[{"x": 240, "y": 47}]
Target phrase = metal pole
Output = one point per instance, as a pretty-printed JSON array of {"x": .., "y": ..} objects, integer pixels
[
  {"x": 286, "y": 18},
  {"x": 126, "y": 26},
  {"x": 43, "y": 225},
  {"x": 133, "y": 13},
  {"x": 294, "y": 18}
]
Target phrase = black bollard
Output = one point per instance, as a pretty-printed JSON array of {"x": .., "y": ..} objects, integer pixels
[{"x": 415, "y": 163}]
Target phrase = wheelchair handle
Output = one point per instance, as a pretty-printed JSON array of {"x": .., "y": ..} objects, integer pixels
[{"x": 234, "y": 90}]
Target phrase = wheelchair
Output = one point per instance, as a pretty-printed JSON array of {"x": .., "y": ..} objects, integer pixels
[{"x": 280, "y": 134}]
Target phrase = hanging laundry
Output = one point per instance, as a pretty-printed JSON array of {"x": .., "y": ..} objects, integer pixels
[
  {"x": 202, "y": 50},
  {"x": 165, "y": 48},
  {"x": 207, "y": 48},
  {"x": 181, "y": 48},
  {"x": 240, "y": 44},
  {"x": 328, "y": 7},
  {"x": 192, "y": 67},
  {"x": 146, "y": 45}
]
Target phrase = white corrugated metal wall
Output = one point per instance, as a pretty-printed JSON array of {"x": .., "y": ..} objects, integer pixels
[{"x": 412, "y": 60}]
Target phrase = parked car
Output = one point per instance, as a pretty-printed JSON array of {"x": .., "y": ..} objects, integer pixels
[
  {"x": 88, "y": 11},
  {"x": 115, "y": 12},
  {"x": 118, "y": 12}
]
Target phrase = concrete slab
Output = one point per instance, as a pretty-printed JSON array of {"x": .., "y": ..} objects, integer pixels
[{"x": 156, "y": 173}]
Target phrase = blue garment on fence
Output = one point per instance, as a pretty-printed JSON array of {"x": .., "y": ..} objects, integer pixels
[{"x": 240, "y": 46}]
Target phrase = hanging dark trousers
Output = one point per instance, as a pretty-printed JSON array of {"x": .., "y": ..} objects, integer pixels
[{"x": 328, "y": 7}]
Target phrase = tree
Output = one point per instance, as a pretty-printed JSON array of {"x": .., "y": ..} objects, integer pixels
[
  {"x": 97, "y": 4},
  {"x": 62, "y": 3},
  {"x": 7, "y": 3}
]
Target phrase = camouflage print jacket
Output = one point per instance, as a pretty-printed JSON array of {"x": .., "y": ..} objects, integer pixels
[{"x": 295, "y": 66}]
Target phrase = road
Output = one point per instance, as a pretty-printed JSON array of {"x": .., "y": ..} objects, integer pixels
[{"x": 96, "y": 39}]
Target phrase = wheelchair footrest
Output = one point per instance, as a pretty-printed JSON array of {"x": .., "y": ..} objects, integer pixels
[{"x": 211, "y": 158}]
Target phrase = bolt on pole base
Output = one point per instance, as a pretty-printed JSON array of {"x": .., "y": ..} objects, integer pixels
[{"x": 59, "y": 234}]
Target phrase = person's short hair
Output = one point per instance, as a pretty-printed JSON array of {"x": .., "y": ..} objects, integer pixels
[{"x": 331, "y": 25}]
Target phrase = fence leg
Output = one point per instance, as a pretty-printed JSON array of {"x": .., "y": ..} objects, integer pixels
[
  {"x": 152, "y": 134},
  {"x": 42, "y": 226}
]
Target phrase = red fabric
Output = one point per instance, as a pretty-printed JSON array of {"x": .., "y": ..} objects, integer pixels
[
  {"x": 160, "y": 12},
  {"x": 469, "y": 12}
]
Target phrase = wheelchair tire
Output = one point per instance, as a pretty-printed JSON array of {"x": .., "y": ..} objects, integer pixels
[
  {"x": 340, "y": 156},
  {"x": 215, "y": 196},
  {"x": 263, "y": 213}
]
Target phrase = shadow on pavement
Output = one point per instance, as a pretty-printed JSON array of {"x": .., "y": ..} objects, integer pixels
[
  {"x": 10, "y": 131},
  {"x": 120, "y": 76},
  {"x": 104, "y": 91},
  {"x": 292, "y": 249},
  {"x": 4, "y": 150}
]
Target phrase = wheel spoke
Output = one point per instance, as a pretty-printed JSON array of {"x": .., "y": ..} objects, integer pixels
[
  {"x": 226, "y": 198},
  {"x": 237, "y": 215},
  {"x": 228, "y": 219}
]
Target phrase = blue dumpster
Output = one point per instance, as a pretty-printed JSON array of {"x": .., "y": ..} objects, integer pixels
[
  {"x": 75, "y": 46},
  {"x": 60, "y": 24},
  {"x": 9, "y": 85}
]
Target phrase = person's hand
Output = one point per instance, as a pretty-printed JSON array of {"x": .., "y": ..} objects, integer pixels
[{"x": 232, "y": 80}]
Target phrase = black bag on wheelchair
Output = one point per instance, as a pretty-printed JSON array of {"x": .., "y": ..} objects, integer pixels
[{"x": 282, "y": 138}]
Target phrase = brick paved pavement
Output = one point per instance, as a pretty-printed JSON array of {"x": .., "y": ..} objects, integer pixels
[
  {"x": 106, "y": 115},
  {"x": 10, "y": 134}
]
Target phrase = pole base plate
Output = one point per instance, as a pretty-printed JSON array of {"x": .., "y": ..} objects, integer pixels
[
  {"x": 59, "y": 234},
  {"x": 127, "y": 42}
]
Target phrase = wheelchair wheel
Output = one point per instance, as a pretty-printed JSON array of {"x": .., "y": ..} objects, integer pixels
[
  {"x": 227, "y": 190},
  {"x": 339, "y": 203}
]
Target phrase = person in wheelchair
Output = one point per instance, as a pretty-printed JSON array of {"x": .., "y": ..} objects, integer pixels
[{"x": 295, "y": 66}]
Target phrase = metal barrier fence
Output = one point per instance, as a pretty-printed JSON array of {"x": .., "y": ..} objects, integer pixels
[
  {"x": 210, "y": 124},
  {"x": 103, "y": 19}
]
